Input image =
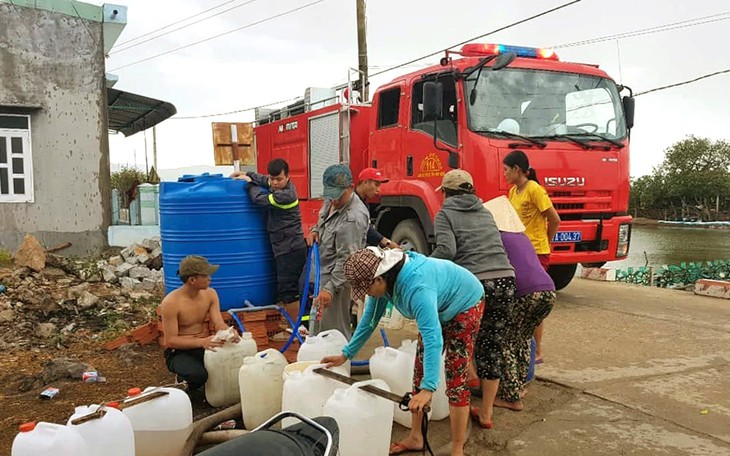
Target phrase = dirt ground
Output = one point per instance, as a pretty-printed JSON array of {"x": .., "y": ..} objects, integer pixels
[{"x": 147, "y": 369}]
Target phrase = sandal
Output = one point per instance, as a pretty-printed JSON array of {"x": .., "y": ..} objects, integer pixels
[{"x": 474, "y": 413}]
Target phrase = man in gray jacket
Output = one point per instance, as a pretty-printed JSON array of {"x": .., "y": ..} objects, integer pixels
[{"x": 341, "y": 229}]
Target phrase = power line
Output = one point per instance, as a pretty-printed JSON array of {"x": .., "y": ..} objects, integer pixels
[
  {"x": 522, "y": 21},
  {"x": 651, "y": 30},
  {"x": 267, "y": 19},
  {"x": 408, "y": 63},
  {"x": 690, "y": 81},
  {"x": 236, "y": 111},
  {"x": 174, "y": 23},
  {"x": 183, "y": 27}
]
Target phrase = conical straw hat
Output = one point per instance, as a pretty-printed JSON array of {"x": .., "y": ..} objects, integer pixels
[{"x": 505, "y": 215}]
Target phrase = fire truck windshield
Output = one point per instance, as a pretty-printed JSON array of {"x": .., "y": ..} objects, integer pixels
[{"x": 535, "y": 103}]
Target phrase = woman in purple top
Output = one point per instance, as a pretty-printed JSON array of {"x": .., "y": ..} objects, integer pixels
[{"x": 535, "y": 299}]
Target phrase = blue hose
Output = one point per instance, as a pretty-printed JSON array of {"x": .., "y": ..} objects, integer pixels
[{"x": 312, "y": 253}]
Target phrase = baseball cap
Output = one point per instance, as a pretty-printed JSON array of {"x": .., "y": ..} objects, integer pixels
[
  {"x": 364, "y": 265},
  {"x": 372, "y": 174},
  {"x": 336, "y": 179},
  {"x": 456, "y": 179},
  {"x": 504, "y": 214},
  {"x": 196, "y": 265}
]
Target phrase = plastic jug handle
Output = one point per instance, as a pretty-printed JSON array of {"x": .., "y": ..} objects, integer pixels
[{"x": 392, "y": 352}]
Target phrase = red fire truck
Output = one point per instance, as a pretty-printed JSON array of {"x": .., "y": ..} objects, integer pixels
[{"x": 477, "y": 105}]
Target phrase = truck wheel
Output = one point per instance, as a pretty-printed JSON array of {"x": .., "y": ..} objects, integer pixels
[
  {"x": 409, "y": 235},
  {"x": 562, "y": 274}
]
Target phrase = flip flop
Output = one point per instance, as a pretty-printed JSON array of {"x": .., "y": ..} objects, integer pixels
[
  {"x": 474, "y": 413},
  {"x": 399, "y": 448}
]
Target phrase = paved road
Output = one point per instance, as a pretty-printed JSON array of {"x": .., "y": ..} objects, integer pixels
[{"x": 628, "y": 370}]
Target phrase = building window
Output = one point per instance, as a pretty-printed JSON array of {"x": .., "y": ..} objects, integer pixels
[{"x": 16, "y": 165}]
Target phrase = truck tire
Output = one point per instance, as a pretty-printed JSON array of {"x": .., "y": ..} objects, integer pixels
[
  {"x": 562, "y": 274},
  {"x": 409, "y": 235}
]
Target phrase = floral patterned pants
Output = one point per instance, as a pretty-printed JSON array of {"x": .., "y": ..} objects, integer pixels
[{"x": 459, "y": 337}]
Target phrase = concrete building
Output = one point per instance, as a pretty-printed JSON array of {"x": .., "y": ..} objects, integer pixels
[{"x": 54, "y": 122}]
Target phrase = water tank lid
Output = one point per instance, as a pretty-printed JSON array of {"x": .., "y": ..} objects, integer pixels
[
  {"x": 114, "y": 405},
  {"x": 134, "y": 392},
  {"x": 27, "y": 427}
]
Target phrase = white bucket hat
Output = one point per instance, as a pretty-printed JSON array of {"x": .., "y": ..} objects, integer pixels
[{"x": 505, "y": 215}]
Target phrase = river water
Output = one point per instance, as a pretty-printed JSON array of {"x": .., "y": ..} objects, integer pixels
[{"x": 670, "y": 245}]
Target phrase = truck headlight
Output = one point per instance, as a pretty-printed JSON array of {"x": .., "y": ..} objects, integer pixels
[{"x": 624, "y": 239}]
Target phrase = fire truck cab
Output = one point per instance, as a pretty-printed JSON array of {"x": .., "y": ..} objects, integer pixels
[{"x": 469, "y": 112}]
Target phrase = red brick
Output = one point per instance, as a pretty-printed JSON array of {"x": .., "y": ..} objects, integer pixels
[{"x": 713, "y": 288}]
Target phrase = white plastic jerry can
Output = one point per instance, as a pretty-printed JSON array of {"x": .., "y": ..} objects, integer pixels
[
  {"x": 261, "y": 386},
  {"x": 306, "y": 392},
  {"x": 326, "y": 343},
  {"x": 223, "y": 365},
  {"x": 37, "y": 439},
  {"x": 110, "y": 434},
  {"x": 365, "y": 420}
]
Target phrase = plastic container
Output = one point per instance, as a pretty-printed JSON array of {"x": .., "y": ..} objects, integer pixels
[
  {"x": 439, "y": 402},
  {"x": 395, "y": 367},
  {"x": 214, "y": 217},
  {"x": 326, "y": 343},
  {"x": 306, "y": 392},
  {"x": 161, "y": 425},
  {"x": 110, "y": 435},
  {"x": 365, "y": 420},
  {"x": 223, "y": 365},
  {"x": 261, "y": 385},
  {"x": 36, "y": 439}
]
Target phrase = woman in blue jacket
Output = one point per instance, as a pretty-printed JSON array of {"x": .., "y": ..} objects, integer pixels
[{"x": 448, "y": 312}]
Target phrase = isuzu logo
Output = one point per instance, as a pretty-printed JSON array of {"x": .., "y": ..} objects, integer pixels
[{"x": 565, "y": 181}]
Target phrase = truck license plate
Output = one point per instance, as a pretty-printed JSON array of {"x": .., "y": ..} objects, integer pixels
[{"x": 567, "y": 236}]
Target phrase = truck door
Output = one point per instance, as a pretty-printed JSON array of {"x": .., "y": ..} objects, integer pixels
[{"x": 431, "y": 163}]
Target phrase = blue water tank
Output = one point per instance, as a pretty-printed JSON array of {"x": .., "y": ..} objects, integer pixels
[{"x": 212, "y": 216}]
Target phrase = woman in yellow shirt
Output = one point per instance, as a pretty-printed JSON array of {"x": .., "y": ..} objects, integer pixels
[{"x": 532, "y": 203}]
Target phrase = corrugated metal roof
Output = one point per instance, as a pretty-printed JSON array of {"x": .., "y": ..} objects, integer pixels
[{"x": 130, "y": 113}]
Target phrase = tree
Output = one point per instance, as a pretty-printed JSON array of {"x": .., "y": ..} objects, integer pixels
[
  {"x": 697, "y": 173},
  {"x": 125, "y": 182},
  {"x": 692, "y": 179}
]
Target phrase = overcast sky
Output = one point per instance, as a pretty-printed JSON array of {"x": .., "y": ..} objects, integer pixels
[{"x": 313, "y": 47}]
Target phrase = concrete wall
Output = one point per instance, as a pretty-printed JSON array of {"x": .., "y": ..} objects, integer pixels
[{"x": 56, "y": 61}]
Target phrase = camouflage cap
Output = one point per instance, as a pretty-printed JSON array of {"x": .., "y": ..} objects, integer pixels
[
  {"x": 336, "y": 179},
  {"x": 196, "y": 265}
]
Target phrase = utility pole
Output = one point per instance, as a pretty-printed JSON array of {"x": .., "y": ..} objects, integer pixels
[
  {"x": 154, "y": 148},
  {"x": 362, "y": 48}
]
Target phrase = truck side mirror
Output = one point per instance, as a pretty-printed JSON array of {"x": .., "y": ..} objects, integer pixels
[
  {"x": 433, "y": 101},
  {"x": 503, "y": 60},
  {"x": 628, "y": 103}
]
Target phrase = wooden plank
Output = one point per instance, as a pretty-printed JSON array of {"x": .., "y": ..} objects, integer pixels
[{"x": 222, "y": 151}]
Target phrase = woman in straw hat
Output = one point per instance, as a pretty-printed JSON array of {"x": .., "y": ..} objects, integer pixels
[
  {"x": 467, "y": 235},
  {"x": 535, "y": 299},
  {"x": 448, "y": 312}
]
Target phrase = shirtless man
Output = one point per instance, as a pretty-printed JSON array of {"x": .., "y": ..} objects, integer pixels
[{"x": 184, "y": 312}]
